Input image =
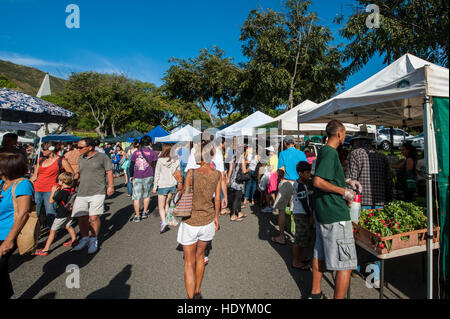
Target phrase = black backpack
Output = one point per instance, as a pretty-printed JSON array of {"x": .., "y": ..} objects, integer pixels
[{"x": 69, "y": 204}]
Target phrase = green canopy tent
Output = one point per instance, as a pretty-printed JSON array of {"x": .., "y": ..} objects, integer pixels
[{"x": 122, "y": 138}]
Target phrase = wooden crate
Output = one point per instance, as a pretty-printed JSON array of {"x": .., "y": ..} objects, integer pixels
[{"x": 398, "y": 241}]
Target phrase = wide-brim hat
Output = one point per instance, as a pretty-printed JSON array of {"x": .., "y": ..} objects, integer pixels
[
  {"x": 361, "y": 137},
  {"x": 270, "y": 149}
]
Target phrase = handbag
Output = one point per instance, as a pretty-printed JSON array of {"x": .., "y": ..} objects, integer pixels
[
  {"x": 241, "y": 177},
  {"x": 125, "y": 164},
  {"x": 29, "y": 235},
  {"x": 183, "y": 207}
]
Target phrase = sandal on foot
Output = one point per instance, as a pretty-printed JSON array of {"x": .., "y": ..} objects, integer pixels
[
  {"x": 68, "y": 243},
  {"x": 277, "y": 241},
  {"x": 236, "y": 220},
  {"x": 304, "y": 267},
  {"x": 40, "y": 252}
]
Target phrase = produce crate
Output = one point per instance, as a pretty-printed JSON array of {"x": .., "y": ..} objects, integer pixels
[{"x": 394, "y": 242}]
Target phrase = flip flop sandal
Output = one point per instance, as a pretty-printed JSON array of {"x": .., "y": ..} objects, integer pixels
[
  {"x": 41, "y": 253},
  {"x": 68, "y": 243},
  {"x": 236, "y": 220},
  {"x": 243, "y": 216},
  {"x": 277, "y": 241},
  {"x": 304, "y": 267}
]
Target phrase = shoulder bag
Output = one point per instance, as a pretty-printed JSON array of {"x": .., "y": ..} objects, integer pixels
[
  {"x": 29, "y": 235},
  {"x": 183, "y": 207}
]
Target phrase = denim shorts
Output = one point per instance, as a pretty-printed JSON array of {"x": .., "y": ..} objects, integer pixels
[
  {"x": 167, "y": 190},
  {"x": 335, "y": 244}
]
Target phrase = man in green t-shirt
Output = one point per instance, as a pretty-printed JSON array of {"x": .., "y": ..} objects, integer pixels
[{"x": 335, "y": 246}]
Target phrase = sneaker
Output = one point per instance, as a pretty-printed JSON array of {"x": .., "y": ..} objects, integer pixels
[
  {"x": 317, "y": 296},
  {"x": 93, "y": 245},
  {"x": 163, "y": 227},
  {"x": 83, "y": 243},
  {"x": 145, "y": 215},
  {"x": 137, "y": 219}
]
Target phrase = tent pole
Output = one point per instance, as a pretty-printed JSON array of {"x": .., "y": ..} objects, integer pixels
[
  {"x": 298, "y": 134},
  {"x": 427, "y": 131}
]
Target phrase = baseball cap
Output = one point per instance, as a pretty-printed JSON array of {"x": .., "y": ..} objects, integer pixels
[{"x": 290, "y": 140}]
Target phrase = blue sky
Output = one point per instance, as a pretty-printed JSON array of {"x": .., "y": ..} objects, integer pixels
[{"x": 137, "y": 37}]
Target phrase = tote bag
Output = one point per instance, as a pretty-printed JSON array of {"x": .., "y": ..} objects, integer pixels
[
  {"x": 29, "y": 235},
  {"x": 183, "y": 207}
]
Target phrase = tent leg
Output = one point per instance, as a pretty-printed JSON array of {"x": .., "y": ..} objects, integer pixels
[{"x": 427, "y": 131}]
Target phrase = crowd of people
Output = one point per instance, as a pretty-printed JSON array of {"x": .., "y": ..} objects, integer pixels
[{"x": 71, "y": 182}]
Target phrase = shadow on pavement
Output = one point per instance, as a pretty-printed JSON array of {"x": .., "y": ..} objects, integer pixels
[
  {"x": 115, "y": 222},
  {"x": 302, "y": 278},
  {"x": 55, "y": 268},
  {"x": 117, "y": 287},
  {"x": 50, "y": 295}
]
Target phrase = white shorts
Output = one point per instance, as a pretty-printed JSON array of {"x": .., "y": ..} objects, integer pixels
[
  {"x": 189, "y": 235},
  {"x": 89, "y": 205},
  {"x": 59, "y": 223}
]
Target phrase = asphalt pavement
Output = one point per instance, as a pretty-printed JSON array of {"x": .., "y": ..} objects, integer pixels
[{"x": 136, "y": 261}]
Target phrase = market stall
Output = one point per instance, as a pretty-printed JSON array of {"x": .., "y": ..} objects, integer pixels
[
  {"x": 246, "y": 126},
  {"x": 158, "y": 131},
  {"x": 185, "y": 134},
  {"x": 122, "y": 138},
  {"x": 64, "y": 137},
  {"x": 291, "y": 126},
  {"x": 409, "y": 92}
]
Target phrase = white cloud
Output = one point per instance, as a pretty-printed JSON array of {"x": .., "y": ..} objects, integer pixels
[
  {"x": 135, "y": 66},
  {"x": 29, "y": 61}
]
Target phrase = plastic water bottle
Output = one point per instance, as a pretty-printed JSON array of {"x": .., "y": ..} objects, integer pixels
[{"x": 355, "y": 209}]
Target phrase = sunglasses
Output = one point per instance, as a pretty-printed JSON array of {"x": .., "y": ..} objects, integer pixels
[{"x": 81, "y": 147}]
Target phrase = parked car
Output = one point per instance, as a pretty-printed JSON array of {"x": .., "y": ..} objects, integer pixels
[
  {"x": 384, "y": 138},
  {"x": 417, "y": 141}
]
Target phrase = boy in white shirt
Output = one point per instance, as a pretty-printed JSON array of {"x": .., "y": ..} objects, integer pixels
[{"x": 302, "y": 216}]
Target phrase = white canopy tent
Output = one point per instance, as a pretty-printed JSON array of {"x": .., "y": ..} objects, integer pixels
[
  {"x": 185, "y": 134},
  {"x": 392, "y": 97},
  {"x": 398, "y": 95},
  {"x": 246, "y": 126},
  {"x": 289, "y": 120}
]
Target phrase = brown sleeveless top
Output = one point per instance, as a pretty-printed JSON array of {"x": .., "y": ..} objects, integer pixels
[{"x": 203, "y": 211}]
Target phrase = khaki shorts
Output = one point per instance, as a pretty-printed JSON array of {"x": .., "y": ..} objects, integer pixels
[
  {"x": 284, "y": 196},
  {"x": 89, "y": 205},
  {"x": 59, "y": 223},
  {"x": 336, "y": 245}
]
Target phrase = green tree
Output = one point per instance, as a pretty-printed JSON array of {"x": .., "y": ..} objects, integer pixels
[
  {"x": 89, "y": 93},
  {"x": 5, "y": 83},
  {"x": 405, "y": 26},
  {"x": 290, "y": 58},
  {"x": 209, "y": 80}
]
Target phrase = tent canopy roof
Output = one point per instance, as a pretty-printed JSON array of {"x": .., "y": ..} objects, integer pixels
[
  {"x": 392, "y": 97},
  {"x": 61, "y": 138},
  {"x": 184, "y": 134},
  {"x": 246, "y": 126}
]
